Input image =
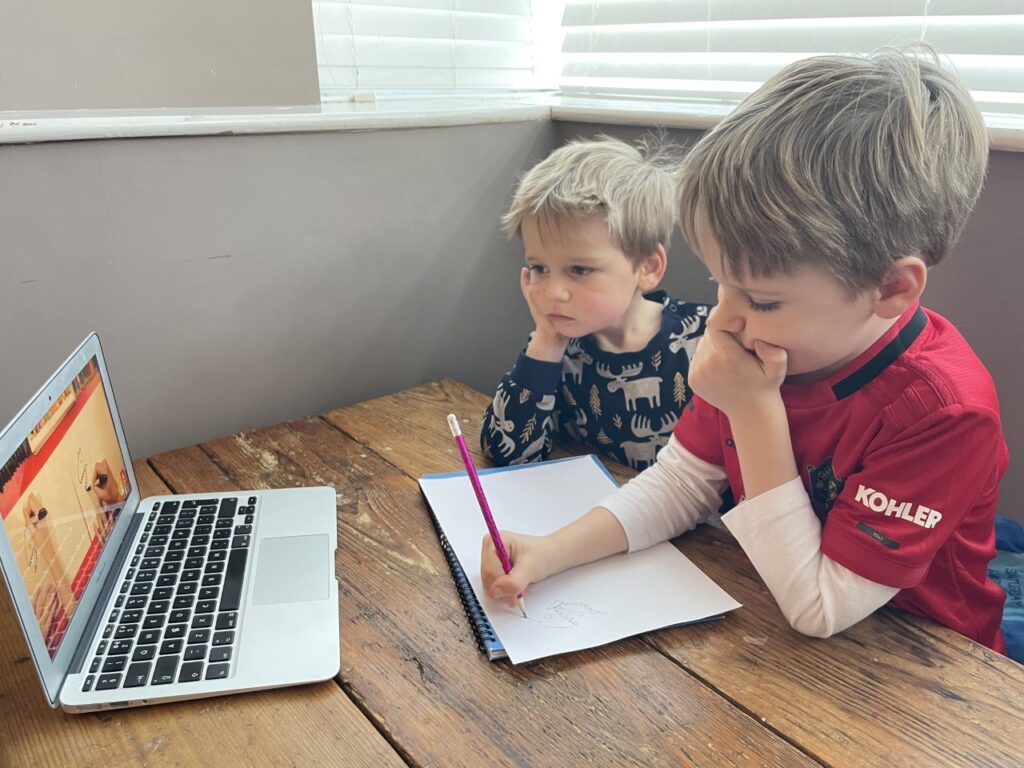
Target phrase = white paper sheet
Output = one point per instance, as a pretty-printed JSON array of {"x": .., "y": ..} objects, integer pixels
[{"x": 583, "y": 607}]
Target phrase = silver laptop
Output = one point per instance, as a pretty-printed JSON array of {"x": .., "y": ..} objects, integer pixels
[{"x": 126, "y": 601}]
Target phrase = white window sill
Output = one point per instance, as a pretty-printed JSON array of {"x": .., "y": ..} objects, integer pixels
[{"x": 1006, "y": 131}]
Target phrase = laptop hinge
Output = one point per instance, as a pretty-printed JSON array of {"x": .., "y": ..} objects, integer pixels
[{"x": 99, "y": 614}]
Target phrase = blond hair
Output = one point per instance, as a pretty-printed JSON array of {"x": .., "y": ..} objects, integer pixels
[
  {"x": 844, "y": 162},
  {"x": 633, "y": 187}
]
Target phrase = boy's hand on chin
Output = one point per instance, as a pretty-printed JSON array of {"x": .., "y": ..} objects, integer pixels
[
  {"x": 732, "y": 378},
  {"x": 547, "y": 343}
]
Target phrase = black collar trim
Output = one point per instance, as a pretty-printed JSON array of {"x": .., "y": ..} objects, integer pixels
[{"x": 873, "y": 367}]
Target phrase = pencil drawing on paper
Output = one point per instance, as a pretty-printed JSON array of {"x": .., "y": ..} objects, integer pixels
[{"x": 559, "y": 614}]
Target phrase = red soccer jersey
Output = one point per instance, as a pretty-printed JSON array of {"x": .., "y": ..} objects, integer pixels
[{"x": 901, "y": 452}]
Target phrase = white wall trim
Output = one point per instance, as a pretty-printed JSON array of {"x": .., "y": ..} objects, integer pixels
[{"x": 1006, "y": 132}]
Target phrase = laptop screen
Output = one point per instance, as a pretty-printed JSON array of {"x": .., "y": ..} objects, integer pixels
[{"x": 61, "y": 492}]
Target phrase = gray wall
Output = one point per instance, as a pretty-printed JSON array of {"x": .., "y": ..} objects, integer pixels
[
  {"x": 109, "y": 54},
  {"x": 978, "y": 289},
  {"x": 240, "y": 281}
]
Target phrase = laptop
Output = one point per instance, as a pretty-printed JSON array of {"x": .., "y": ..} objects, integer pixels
[{"x": 126, "y": 601}]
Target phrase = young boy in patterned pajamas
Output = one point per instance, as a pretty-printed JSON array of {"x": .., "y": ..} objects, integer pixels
[
  {"x": 858, "y": 431},
  {"x": 608, "y": 361}
]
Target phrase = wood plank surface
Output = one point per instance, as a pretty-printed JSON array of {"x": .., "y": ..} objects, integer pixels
[
  {"x": 409, "y": 657},
  {"x": 893, "y": 690},
  {"x": 308, "y": 725}
]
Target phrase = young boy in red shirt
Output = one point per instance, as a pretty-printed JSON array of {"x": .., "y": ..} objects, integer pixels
[{"x": 858, "y": 432}]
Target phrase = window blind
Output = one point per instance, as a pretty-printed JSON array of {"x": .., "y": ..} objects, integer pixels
[
  {"x": 718, "y": 51},
  {"x": 424, "y": 46}
]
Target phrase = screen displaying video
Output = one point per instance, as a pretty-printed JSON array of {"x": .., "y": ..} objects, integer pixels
[{"x": 60, "y": 495}]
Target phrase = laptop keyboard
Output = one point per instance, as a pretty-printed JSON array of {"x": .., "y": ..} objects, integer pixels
[{"x": 176, "y": 615}]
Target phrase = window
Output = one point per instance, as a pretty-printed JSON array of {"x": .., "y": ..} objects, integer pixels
[
  {"x": 712, "y": 53},
  {"x": 424, "y": 47}
]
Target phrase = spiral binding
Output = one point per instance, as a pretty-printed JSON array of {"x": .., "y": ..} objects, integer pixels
[{"x": 482, "y": 628}]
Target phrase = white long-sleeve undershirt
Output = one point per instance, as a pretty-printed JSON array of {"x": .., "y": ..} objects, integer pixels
[{"x": 777, "y": 529}]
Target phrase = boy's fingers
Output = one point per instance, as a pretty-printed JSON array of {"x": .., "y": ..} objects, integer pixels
[{"x": 773, "y": 358}]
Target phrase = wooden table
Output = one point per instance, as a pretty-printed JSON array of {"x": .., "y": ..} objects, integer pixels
[{"x": 413, "y": 689}]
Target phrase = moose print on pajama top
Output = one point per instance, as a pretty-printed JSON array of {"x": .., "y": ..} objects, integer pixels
[{"x": 621, "y": 405}]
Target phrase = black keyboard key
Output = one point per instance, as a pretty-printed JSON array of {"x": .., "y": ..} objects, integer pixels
[
  {"x": 211, "y": 580},
  {"x": 184, "y": 601},
  {"x": 171, "y": 646},
  {"x": 197, "y": 552},
  {"x": 217, "y": 671},
  {"x": 188, "y": 587},
  {"x": 163, "y": 593},
  {"x": 217, "y": 556},
  {"x": 230, "y": 597},
  {"x": 243, "y": 529},
  {"x": 200, "y": 541},
  {"x": 218, "y": 544},
  {"x": 95, "y": 665},
  {"x": 179, "y": 616},
  {"x": 171, "y": 568},
  {"x": 215, "y": 567},
  {"x": 175, "y": 631},
  {"x": 102, "y": 647},
  {"x": 206, "y": 606},
  {"x": 206, "y": 519},
  {"x": 252, "y": 500},
  {"x": 227, "y": 621},
  {"x": 228, "y": 507},
  {"x": 170, "y": 508},
  {"x": 108, "y": 631},
  {"x": 191, "y": 671},
  {"x": 202, "y": 620},
  {"x": 142, "y": 589},
  {"x": 148, "y": 637},
  {"x": 192, "y": 574},
  {"x": 222, "y": 533},
  {"x": 178, "y": 545},
  {"x": 181, "y": 533},
  {"x": 193, "y": 652},
  {"x": 151, "y": 562},
  {"x": 118, "y": 647},
  {"x": 136, "y": 602},
  {"x": 158, "y": 606},
  {"x": 89, "y": 680},
  {"x": 198, "y": 636},
  {"x": 223, "y": 638},
  {"x": 157, "y": 541},
  {"x": 107, "y": 682},
  {"x": 137, "y": 674},
  {"x": 162, "y": 530},
  {"x": 166, "y": 666},
  {"x": 249, "y": 519},
  {"x": 115, "y": 663},
  {"x": 153, "y": 622},
  {"x": 144, "y": 653},
  {"x": 125, "y": 631},
  {"x": 194, "y": 562},
  {"x": 208, "y": 593},
  {"x": 145, "y": 576},
  {"x": 174, "y": 556},
  {"x": 113, "y": 615},
  {"x": 239, "y": 541},
  {"x": 223, "y": 653},
  {"x": 190, "y": 504},
  {"x": 119, "y": 602},
  {"x": 131, "y": 617},
  {"x": 167, "y": 580},
  {"x": 225, "y": 523}
]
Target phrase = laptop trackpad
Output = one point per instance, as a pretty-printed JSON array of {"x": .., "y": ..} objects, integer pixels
[{"x": 292, "y": 569}]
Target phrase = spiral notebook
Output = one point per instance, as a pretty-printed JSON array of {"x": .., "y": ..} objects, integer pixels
[
  {"x": 583, "y": 607},
  {"x": 486, "y": 637}
]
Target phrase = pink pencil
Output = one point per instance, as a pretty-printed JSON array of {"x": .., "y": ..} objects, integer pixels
[{"x": 506, "y": 564}]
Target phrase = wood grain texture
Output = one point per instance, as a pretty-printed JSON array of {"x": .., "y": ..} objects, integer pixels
[
  {"x": 409, "y": 658},
  {"x": 308, "y": 725},
  {"x": 893, "y": 690}
]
